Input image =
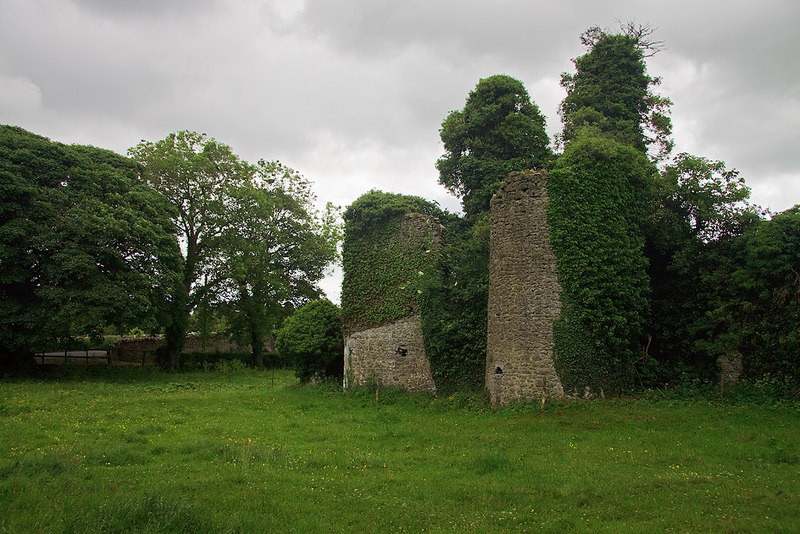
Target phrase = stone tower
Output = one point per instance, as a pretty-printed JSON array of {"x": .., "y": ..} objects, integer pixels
[
  {"x": 524, "y": 294},
  {"x": 393, "y": 353}
]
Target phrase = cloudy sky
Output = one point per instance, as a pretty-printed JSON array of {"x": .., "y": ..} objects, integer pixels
[{"x": 352, "y": 93}]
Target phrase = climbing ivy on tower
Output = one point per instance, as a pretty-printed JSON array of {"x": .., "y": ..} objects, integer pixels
[
  {"x": 383, "y": 266},
  {"x": 598, "y": 244}
]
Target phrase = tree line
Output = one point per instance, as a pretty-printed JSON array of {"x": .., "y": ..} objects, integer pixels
[{"x": 180, "y": 234}]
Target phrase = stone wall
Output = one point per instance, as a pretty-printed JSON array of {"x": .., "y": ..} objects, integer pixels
[
  {"x": 392, "y": 354},
  {"x": 730, "y": 368},
  {"x": 143, "y": 349},
  {"x": 524, "y": 294}
]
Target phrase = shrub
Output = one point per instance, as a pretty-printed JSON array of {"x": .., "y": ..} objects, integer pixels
[{"x": 311, "y": 339}]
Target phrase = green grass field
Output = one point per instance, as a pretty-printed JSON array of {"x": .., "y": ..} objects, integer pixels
[{"x": 139, "y": 451}]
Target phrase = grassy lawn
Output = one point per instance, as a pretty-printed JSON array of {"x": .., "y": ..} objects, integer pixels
[{"x": 134, "y": 451}]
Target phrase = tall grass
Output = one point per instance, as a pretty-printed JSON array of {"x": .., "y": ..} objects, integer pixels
[{"x": 246, "y": 452}]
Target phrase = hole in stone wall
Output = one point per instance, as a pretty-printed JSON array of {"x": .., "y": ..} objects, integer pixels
[
  {"x": 402, "y": 351},
  {"x": 498, "y": 370}
]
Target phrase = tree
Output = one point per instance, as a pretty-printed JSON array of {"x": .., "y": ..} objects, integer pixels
[
  {"x": 701, "y": 210},
  {"x": 499, "y": 131},
  {"x": 195, "y": 174},
  {"x": 84, "y": 243},
  {"x": 765, "y": 312},
  {"x": 274, "y": 249},
  {"x": 251, "y": 239},
  {"x": 611, "y": 93},
  {"x": 312, "y": 339}
]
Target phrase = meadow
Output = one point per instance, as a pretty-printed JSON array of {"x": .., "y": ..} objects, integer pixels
[{"x": 252, "y": 451}]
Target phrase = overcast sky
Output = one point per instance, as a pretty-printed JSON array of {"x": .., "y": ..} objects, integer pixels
[{"x": 352, "y": 93}]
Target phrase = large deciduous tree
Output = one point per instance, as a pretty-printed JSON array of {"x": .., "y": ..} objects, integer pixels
[
  {"x": 252, "y": 241},
  {"x": 195, "y": 173},
  {"x": 499, "y": 131},
  {"x": 273, "y": 251},
  {"x": 84, "y": 243}
]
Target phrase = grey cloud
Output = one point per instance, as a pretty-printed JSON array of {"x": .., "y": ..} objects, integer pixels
[{"x": 352, "y": 93}]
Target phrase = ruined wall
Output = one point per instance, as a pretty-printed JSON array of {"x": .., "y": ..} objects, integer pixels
[
  {"x": 524, "y": 294},
  {"x": 392, "y": 351},
  {"x": 392, "y": 354}
]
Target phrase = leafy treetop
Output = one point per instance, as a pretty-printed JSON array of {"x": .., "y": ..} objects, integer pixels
[
  {"x": 499, "y": 131},
  {"x": 611, "y": 93}
]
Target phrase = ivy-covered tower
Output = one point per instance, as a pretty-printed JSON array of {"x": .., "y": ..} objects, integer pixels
[{"x": 390, "y": 242}]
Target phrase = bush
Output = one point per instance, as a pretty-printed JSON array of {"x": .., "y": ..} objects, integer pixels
[{"x": 312, "y": 340}]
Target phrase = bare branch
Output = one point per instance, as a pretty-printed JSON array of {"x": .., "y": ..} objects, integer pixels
[{"x": 643, "y": 35}]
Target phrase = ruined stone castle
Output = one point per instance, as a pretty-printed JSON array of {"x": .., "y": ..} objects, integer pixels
[{"x": 523, "y": 303}]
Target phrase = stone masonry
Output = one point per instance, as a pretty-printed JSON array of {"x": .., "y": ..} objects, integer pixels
[
  {"x": 524, "y": 294},
  {"x": 392, "y": 354}
]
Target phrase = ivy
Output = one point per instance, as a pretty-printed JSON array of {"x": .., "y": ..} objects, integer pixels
[
  {"x": 454, "y": 307},
  {"x": 595, "y": 216},
  {"x": 383, "y": 270}
]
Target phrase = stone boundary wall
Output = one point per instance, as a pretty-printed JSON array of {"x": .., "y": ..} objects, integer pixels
[
  {"x": 524, "y": 294},
  {"x": 392, "y": 354},
  {"x": 143, "y": 349}
]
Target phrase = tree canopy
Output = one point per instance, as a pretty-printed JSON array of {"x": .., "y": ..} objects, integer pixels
[
  {"x": 251, "y": 239},
  {"x": 273, "y": 250},
  {"x": 612, "y": 95},
  {"x": 498, "y": 131},
  {"x": 84, "y": 243}
]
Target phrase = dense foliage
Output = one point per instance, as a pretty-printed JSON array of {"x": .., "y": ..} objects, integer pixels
[
  {"x": 700, "y": 213},
  {"x": 383, "y": 270},
  {"x": 194, "y": 173},
  {"x": 454, "y": 307},
  {"x": 598, "y": 243},
  {"x": 311, "y": 338},
  {"x": 84, "y": 244},
  {"x": 499, "y": 131},
  {"x": 253, "y": 244},
  {"x": 610, "y": 94},
  {"x": 273, "y": 249},
  {"x": 765, "y": 311}
]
